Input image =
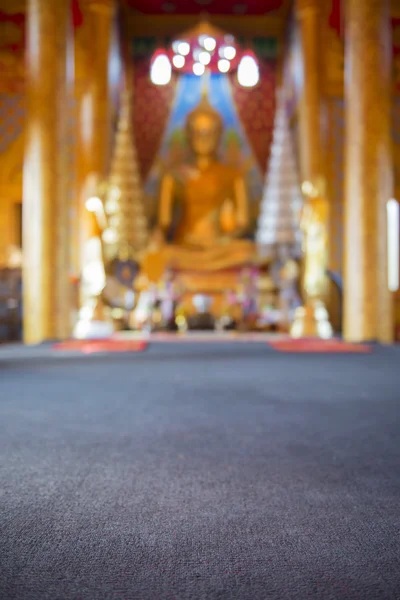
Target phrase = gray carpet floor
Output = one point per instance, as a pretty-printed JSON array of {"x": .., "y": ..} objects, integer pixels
[{"x": 200, "y": 472}]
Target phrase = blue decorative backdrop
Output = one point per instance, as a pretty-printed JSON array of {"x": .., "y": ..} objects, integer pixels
[{"x": 235, "y": 150}]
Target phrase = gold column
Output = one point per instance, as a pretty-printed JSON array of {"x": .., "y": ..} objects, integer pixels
[
  {"x": 92, "y": 55},
  {"x": 311, "y": 156},
  {"x": 46, "y": 173},
  {"x": 368, "y": 171},
  {"x": 312, "y": 320},
  {"x": 6, "y": 228}
]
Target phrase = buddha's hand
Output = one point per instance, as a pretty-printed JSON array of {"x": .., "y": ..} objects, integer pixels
[{"x": 225, "y": 240}]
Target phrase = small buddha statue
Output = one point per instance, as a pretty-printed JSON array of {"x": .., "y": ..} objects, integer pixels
[
  {"x": 312, "y": 319},
  {"x": 314, "y": 224},
  {"x": 206, "y": 192}
]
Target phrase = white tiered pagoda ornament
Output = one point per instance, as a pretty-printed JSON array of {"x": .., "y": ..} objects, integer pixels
[{"x": 278, "y": 223}]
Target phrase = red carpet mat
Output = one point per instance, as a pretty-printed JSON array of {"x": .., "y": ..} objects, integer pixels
[
  {"x": 281, "y": 344},
  {"x": 319, "y": 346},
  {"x": 97, "y": 346}
]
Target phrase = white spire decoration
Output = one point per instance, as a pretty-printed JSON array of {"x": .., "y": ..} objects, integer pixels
[{"x": 279, "y": 220}]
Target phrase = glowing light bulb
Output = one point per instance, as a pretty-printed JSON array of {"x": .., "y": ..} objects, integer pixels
[
  {"x": 229, "y": 52},
  {"x": 209, "y": 44},
  {"x": 202, "y": 39},
  {"x": 160, "y": 72},
  {"x": 196, "y": 54},
  {"x": 109, "y": 236},
  {"x": 175, "y": 46},
  {"x": 248, "y": 73},
  {"x": 198, "y": 69},
  {"x": 178, "y": 61},
  {"x": 204, "y": 58},
  {"x": 183, "y": 48},
  {"x": 224, "y": 65},
  {"x": 94, "y": 204}
]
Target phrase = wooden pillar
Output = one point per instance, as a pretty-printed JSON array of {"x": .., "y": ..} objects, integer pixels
[
  {"x": 311, "y": 155},
  {"x": 368, "y": 171},
  {"x": 92, "y": 59},
  {"x": 47, "y": 172}
]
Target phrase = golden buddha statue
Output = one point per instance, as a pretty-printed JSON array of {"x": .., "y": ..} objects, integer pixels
[
  {"x": 214, "y": 214},
  {"x": 312, "y": 319},
  {"x": 314, "y": 224}
]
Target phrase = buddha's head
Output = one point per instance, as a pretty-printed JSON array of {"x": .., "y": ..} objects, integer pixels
[{"x": 204, "y": 129}]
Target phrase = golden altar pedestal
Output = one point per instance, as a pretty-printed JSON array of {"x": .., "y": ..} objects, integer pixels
[{"x": 211, "y": 272}]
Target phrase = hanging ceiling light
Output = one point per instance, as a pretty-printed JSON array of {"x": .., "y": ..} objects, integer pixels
[
  {"x": 204, "y": 58},
  {"x": 178, "y": 61},
  {"x": 229, "y": 52},
  {"x": 161, "y": 70},
  {"x": 248, "y": 72},
  {"x": 224, "y": 65},
  {"x": 202, "y": 39},
  {"x": 216, "y": 52},
  {"x": 198, "y": 69},
  {"x": 209, "y": 44},
  {"x": 183, "y": 48},
  {"x": 196, "y": 54}
]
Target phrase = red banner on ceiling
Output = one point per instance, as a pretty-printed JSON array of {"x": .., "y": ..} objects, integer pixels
[
  {"x": 77, "y": 17},
  {"x": 336, "y": 17}
]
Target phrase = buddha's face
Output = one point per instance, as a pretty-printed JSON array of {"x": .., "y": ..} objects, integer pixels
[{"x": 204, "y": 134}]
